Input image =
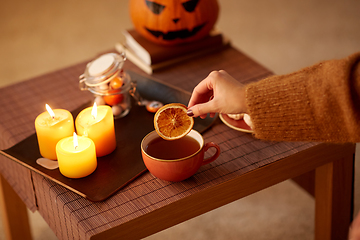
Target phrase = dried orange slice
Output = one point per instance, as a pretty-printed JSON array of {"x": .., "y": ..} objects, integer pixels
[{"x": 171, "y": 121}]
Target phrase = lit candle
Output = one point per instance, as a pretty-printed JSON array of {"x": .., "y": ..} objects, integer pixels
[
  {"x": 51, "y": 126},
  {"x": 97, "y": 123},
  {"x": 76, "y": 156}
]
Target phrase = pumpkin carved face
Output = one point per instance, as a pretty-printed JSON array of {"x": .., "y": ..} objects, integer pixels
[{"x": 171, "y": 22}]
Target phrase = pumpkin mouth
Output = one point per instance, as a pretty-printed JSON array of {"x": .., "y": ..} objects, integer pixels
[{"x": 184, "y": 33}]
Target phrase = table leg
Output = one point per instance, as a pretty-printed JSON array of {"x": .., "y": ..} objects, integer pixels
[
  {"x": 334, "y": 199},
  {"x": 14, "y": 213}
]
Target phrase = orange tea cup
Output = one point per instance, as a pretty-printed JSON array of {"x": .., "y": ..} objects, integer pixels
[{"x": 176, "y": 160}]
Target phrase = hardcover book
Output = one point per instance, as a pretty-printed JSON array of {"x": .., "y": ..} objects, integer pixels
[{"x": 150, "y": 56}]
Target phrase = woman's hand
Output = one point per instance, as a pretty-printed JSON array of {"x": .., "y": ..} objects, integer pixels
[{"x": 217, "y": 93}]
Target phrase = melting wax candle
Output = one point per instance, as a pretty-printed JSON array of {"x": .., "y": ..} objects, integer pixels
[
  {"x": 97, "y": 123},
  {"x": 76, "y": 156},
  {"x": 51, "y": 126}
]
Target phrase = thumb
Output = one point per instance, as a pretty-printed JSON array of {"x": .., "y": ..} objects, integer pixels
[{"x": 201, "y": 109}]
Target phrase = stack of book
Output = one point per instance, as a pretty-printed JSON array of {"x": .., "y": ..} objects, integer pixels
[{"x": 150, "y": 56}]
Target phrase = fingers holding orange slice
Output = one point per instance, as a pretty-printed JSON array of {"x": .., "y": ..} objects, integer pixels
[{"x": 171, "y": 121}]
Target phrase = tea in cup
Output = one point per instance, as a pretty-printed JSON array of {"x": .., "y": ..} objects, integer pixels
[{"x": 176, "y": 160}]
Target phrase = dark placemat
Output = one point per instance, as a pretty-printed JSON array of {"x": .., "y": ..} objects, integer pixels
[{"x": 123, "y": 165}]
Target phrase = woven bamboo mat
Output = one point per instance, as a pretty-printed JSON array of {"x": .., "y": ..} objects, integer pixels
[{"x": 73, "y": 217}]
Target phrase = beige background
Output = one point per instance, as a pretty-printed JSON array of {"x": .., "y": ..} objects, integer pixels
[{"x": 39, "y": 36}]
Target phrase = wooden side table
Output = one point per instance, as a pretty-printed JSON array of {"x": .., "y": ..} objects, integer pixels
[{"x": 148, "y": 205}]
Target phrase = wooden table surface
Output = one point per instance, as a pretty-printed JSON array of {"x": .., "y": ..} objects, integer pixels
[{"x": 246, "y": 165}]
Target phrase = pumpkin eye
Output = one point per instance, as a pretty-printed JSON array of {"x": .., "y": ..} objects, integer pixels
[
  {"x": 190, "y": 5},
  {"x": 155, "y": 7}
]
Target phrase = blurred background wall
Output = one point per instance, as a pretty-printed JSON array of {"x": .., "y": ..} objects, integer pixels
[{"x": 39, "y": 36}]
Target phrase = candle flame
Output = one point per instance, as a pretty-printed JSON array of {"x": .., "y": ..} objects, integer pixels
[
  {"x": 50, "y": 111},
  {"x": 75, "y": 140},
  {"x": 94, "y": 110}
]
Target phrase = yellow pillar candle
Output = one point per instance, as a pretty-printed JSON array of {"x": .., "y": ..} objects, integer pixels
[
  {"x": 76, "y": 156},
  {"x": 97, "y": 123},
  {"x": 51, "y": 126}
]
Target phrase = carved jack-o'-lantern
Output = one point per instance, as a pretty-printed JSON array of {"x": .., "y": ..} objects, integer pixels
[{"x": 171, "y": 22}]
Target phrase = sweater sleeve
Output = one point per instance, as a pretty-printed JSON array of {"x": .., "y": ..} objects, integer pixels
[{"x": 318, "y": 103}]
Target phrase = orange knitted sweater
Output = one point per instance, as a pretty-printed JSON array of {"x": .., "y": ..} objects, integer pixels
[{"x": 318, "y": 103}]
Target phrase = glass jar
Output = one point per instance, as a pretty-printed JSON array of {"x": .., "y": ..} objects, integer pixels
[{"x": 106, "y": 79}]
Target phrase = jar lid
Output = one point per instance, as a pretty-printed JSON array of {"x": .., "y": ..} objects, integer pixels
[
  {"x": 103, "y": 69},
  {"x": 101, "y": 65}
]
